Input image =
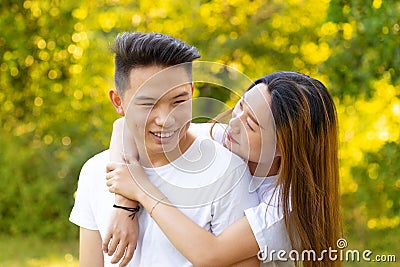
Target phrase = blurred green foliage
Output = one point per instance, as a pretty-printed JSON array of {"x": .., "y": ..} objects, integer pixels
[{"x": 56, "y": 68}]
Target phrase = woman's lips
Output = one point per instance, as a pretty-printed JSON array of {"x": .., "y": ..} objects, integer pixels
[{"x": 230, "y": 138}]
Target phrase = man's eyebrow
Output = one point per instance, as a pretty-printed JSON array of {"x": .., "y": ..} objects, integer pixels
[
  {"x": 145, "y": 98},
  {"x": 148, "y": 98}
]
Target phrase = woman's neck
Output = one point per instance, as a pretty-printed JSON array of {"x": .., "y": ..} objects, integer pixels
[{"x": 260, "y": 170}]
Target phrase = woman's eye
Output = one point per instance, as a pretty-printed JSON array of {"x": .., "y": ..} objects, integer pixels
[{"x": 248, "y": 124}]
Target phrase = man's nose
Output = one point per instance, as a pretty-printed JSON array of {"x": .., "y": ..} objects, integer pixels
[{"x": 164, "y": 117}]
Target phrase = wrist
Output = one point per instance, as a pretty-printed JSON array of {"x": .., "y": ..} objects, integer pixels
[
  {"x": 123, "y": 201},
  {"x": 132, "y": 211},
  {"x": 150, "y": 202}
]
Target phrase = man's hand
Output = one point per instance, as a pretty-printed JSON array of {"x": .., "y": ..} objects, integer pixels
[{"x": 122, "y": 233}]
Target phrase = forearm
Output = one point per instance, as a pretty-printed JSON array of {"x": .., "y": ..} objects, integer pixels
[
  {"x": 122, "y": 143},
  {"x": 116, "y": 150},
  {"x": 116, "y": 141}
]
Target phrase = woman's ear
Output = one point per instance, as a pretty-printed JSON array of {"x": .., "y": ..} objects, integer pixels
[{"x": 116, "y": 100}]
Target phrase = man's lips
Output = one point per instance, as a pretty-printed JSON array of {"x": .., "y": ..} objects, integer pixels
[{"x": 163, "y": 135}]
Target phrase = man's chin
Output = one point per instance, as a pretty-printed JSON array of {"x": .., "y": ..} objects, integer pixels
[{"x": 162, "y": 147}]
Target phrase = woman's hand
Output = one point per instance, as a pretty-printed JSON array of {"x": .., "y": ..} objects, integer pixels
[{"x": 127, "y": 180}]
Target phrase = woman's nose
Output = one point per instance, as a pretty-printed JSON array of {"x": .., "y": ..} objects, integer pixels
[{"x": 234, "y": 124}]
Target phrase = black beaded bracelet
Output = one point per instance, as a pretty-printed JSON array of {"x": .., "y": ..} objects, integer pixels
[{"x": 133, "y": 210}]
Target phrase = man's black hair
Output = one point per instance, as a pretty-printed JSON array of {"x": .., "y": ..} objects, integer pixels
[{"x": 136, "y": 49}]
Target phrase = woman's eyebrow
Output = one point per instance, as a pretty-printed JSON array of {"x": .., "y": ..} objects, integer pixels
[{"x": 249, "y": 113}]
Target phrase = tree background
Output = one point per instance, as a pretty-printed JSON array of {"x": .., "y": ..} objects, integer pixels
[{"x": 56, "y": 68}]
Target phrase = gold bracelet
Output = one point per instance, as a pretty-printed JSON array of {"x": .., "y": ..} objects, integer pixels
[{"x": 158, "y": 202}]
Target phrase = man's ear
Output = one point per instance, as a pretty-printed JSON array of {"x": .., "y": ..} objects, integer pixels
[{"x": 116, "y": 100}]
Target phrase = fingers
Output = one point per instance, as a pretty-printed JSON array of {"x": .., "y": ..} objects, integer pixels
[
  {"x": 111, "y": 166},
  {"x": 110, "y": 182},
  {"x": 120, "y": 252},
  {"x": 106, "y": 241},
  {"x": 113, "y": 246},
  {"x": 128, "y": 255},
  {"x": 111, "y": 188},
  {"x": 109, "y": 175}
]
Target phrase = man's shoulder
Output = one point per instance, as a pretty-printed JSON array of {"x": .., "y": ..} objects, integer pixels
[
  {"x": 221, "y": 160},
  {"x": 221, "y": 152},
  {"x": 93, "y": 168},
  {"x": 209, "y": 130},
  {"x": 97, "y": 160}
]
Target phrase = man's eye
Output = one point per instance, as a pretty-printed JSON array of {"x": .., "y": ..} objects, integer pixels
[{"x": 180, "y": 101}]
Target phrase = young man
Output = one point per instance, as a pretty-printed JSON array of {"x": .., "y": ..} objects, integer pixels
[{"x": 153, "y": 77}]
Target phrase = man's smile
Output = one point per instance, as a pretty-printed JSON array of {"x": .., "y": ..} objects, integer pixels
[{"x": 163, "y": 136}]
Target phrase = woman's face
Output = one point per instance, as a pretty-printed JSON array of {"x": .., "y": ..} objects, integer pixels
[{"x": 251, "y": 131}]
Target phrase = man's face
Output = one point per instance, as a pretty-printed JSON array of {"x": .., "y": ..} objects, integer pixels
[{"x": 158, "y": 109}]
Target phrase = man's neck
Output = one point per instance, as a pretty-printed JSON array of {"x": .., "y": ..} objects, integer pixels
[{"x": 161, "y": 159}]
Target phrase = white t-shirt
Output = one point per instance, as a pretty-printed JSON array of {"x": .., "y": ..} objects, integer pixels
[{"x": 208, "y": 183}]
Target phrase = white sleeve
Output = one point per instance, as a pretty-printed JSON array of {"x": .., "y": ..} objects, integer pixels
[
  {"x": 82, "y": 213},
  {"x": 268, "y": 227},
  {"x": 231, "y": 207}
]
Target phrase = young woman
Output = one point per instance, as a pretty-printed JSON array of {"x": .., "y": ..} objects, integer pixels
[{"x": 299, "y": 198}]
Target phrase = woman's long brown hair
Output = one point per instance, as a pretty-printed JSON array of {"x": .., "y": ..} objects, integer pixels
[{"x": 308, "y": 179}]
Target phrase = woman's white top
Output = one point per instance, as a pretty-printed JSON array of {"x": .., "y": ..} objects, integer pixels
[{"x": 268, "y": 226}]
